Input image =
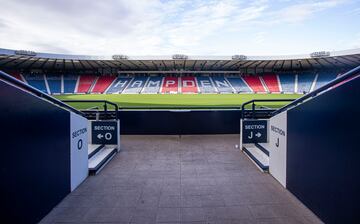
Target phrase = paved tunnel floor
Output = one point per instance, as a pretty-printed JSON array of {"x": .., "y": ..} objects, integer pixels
[{"x": 192, "y": 179}]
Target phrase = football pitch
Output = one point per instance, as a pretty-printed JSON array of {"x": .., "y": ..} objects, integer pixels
[{"x": 176, "y": 100}]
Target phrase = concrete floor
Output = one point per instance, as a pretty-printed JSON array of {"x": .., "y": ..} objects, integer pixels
[{"x": 192, "y": 179}]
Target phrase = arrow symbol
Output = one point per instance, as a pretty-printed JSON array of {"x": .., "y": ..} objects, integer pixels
[
  {"x": 100, "y": 136},
  {"x": 251, "y": 135},
  {"x": 258, "y": 135},
  {"x": 277, "y": 143}
]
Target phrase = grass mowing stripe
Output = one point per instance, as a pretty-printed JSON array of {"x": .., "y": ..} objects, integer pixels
[{"x": 176, "y": 100}]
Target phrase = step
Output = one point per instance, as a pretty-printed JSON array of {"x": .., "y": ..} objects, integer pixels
[
  {"x": 262, "y": 147},
  {"x": 257, "y": 156},
  {"x": 100, "y": 159},
  {"x": 93, "y": 149}
]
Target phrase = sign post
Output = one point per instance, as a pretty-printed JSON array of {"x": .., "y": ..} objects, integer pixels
[
  {"x": 254, "y": 131},
  {"x": 105, "y": 133}
]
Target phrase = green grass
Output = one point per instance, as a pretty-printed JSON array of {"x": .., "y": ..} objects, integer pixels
[{"x": 177, "y": 100}]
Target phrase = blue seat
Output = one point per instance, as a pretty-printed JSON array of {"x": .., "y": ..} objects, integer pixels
[
  {"x": 305, "y": 80},
  {"x": 119, "y": 85},
  {"x": 54, "y": 82},
  {"x": 222, "y": 85},
  {"x": 70, "y": 83},
  {"x": 239, "y": 85},
  {"x": 287, "y": 82},
  {"x": 37, "y": 81},
  {"x": 153, "y": 85},
  {"x": 136, "y": 85},
  {"x": 324, "y": 78},
  {"x": 205, "y": 84}
]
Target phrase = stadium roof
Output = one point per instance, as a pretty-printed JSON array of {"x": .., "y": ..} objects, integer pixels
[{"x": 20, "y": 59}]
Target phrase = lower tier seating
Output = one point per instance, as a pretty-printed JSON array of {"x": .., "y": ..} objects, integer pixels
[
  {"x": 271, "y": 82},
  {"x": 255, "y": 83},
  {"x": 302, "y": 82}
]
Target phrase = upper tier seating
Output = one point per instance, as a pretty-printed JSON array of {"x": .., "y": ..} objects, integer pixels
[
  {"x": 85, "y": 83},
  {"x": 254, "y": 83},
  {"x": 305, "y": 80},
  {"x": 222, "y": 85},
  {"x": 70, "y": 83},
  {"x": 287, "y": 82},
  {"x": 36, "y": 81},
  {"x": 271, "y": 82},
  {"x": 102, "y": 83},
  {"x": 205, "y": 84},
  {"x": 153, "y": 84},
  {"x": 54, "y": 82},
  {"x": 325, "y": 77},
  {"x": 170, "y": 85},
  {"x": 239, "y": 85},
  {"x": 188, "y": 85},
  {"x": 136, "y": 84},
  {"x": 118, "y": 85}
]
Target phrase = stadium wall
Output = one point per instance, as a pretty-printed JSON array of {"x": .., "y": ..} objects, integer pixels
[
  {"x": 41, "y": 158},
  {"x": 323, "y": 153},
  {"x": 180, "y": 122}
]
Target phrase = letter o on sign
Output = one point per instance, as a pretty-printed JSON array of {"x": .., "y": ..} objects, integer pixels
[
  {"x": 80, "y": 144},
  {"x": 108, "y": 136}
]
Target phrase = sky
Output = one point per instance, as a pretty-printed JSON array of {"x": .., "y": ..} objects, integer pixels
[{"x": 191, "y": 27}]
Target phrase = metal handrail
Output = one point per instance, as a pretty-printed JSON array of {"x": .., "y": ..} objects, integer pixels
[
  {"x": 22, "y": 85},
  {"x": 260, "y": 100},
  {"x": 116, "y": 107},
  {"x": 350, "y": 74}
]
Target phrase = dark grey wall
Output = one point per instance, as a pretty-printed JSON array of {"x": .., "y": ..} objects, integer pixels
[
  {"x": 35, "y": 156},
  {"x": 180, "y": 123},
  {"x": 323, "y": 154}
]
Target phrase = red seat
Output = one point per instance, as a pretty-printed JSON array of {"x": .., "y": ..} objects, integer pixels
[
  {"x": 188, "y": 85},
  {"x": 16, "y": 75},
  {"x": 170, "y": 85},
  {"x": 85, "y": 82},
  {"x": 103, "y": 83},
  {"x": 254, "y": 83},
  {"x": 271, "y": 82}
]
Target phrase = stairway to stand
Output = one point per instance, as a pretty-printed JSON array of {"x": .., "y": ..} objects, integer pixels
[
  {"x": 99, "y": 156},
  {"x": 258, "y": 154}
]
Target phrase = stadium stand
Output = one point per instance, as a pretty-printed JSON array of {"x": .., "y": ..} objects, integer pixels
[
  {"x": 170, "y": 85},
  {"x": 136, "y": 84},
  {"x": 305, "y": 81},
  {"x": 287, "y": 82},
  {"x": 153, "y": 85},
  {"x": 222, "y": 85},
  {"x": 54, "y": 82},
  {"x": 119, "y": 85},
  {"x": 188, "y": 85},
  {"x": 275, "y": 83},
  {"x": 16, "y": 75},
  {"x": 85, "y": 83},
  {"x": 205, "y": 84},
  {"x": 37, "y": 81},
  {"x": 239, "y": 85},
  {"x": 254, "y": 83},
  {"x": 70, "y": 83},
  {"x": 272, "y": 83},
  {"x": 102, "y": 83},
  {"x": 325, "y": 77}
]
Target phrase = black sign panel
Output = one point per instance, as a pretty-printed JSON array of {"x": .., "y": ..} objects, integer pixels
[
  {"x": 254, "y": 131},
  {"x": 104, "y": 132}
]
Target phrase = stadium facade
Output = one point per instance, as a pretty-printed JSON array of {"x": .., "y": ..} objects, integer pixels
[{"x": 121, "y": 74}]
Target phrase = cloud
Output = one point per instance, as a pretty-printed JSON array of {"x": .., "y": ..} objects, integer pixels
[{"x": 147, "y": 27}]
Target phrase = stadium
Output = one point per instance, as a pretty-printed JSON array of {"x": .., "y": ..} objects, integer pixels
[
  {"x": 175, "y": 138},
  {"x": 177, "y": 74}
]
